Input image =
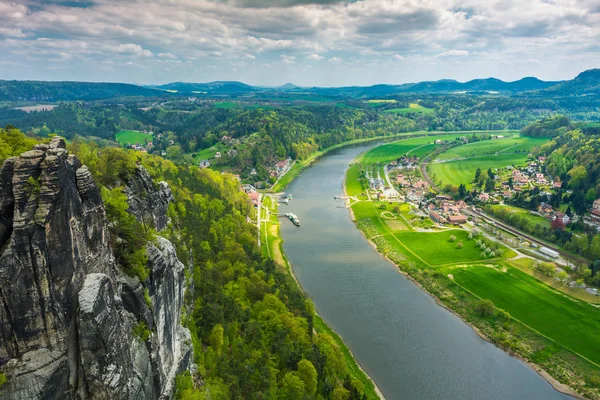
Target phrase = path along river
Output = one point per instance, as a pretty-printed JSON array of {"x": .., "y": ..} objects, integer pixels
[{"x": 410, "y": 346}]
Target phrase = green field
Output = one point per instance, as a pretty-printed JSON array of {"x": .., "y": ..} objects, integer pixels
[
  {"x": 463, "y": 171},
  {"x": 226, "y": 104},
  {"x": 376, "y": 101},
  {"x": 415, "y": 146},
  {"x": 512, "y": 144},
  {"x": 531, "y": 218},
  {"x": 436, "y": 249},
  {"x": 495, "y": 153},
  {"x": 412, "y": 108},
  {"x": 354, "y": 187},
  {"x": 132, "y": 137},
  {"x": 573, "y": 324}
]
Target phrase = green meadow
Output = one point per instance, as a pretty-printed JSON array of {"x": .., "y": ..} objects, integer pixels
[
  {"x": 412, "y": 108},
  {"x": 415, "y": 146},
  {"x": 531, "y": 218},
  {"x": 510, "y": 144},
  {"x": 463, "y": 171},
  {"x": 573, "y": 324},
  {"x": 132, "y": 137}
]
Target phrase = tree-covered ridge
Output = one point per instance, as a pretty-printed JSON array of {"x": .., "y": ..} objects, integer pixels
[
  {"x": 13, "y": 143},
  {"x": 252, "y": 327}
]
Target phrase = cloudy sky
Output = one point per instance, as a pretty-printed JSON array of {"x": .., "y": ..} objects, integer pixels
[{"x": 307, "y": 42}]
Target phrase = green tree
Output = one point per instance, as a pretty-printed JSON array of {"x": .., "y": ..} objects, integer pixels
[
  {"x": 477, "y": 174},
  {"x": 216, "y": 338},
  {"x": 485, "y": 308},
  {"x": 308, "y": 374},
  {"x": 292, "y": 387}
]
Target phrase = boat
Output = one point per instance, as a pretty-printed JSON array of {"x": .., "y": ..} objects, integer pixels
[{"x": 294, "y": 218}]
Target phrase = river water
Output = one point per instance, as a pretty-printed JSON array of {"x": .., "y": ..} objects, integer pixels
[{"x": 410, "y": 346}]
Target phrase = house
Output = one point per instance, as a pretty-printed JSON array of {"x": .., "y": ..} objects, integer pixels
[
  {"x": 457, "y": 219},
  {"x": 218, "y": 154},
  {"x": 562, "y": 216},
  {"x": 542, "y": 159},
  {"x": 204, "y": 164},
  {"x": 255, "y": 197},
  {"x": 557, "y": 184},
  {"x": 253, "y": 172},
  {"x": 438, "y": 141},
  {"x": 437, "y": 217},
  {"x": 249, "y": 189},
  {"x": 596, "y": 205},
  {"x": 484, "y": 196},
  {"x": 595, "y": 215},
  {"x": 232, "y": 153}
]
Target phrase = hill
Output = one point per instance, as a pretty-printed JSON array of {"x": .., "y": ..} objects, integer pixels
[
  {"x": 218, "y": 87},
  {"x": 63, "y": 91},
  {"x": 587, "y": 82}
]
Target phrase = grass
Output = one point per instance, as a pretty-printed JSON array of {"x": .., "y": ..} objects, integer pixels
[
  {"x": 353, "y": 184},
  {"x": 437, "y": 249},
  {"x": 495, "y": 153},
  {"x": 378, "y": 101},
  {"x": 353, "y": 367},
  {"x": 412, "y": 108},
  {"x": 415, "y": 146},
  {"x": 226, "y": 105},
  {"x": 573, "y": 324},
  {"x": 511, "y": 144},
  {"x": 531, "y": 218},
  {"x": 463, "y": 171},
  {"x": 132, "y": 137}
]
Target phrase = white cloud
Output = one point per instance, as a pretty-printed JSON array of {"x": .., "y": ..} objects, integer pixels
[
  {"x": 287, "y": 59},
  {"x": 167, "y": 55},
  {"x": 454, "y": 53},
  {"x": 335, "y": 59},
  {"x": 398, "y": 57},
  {"x": 250, "y": 56},
  {"x": 315, "y": 56}
]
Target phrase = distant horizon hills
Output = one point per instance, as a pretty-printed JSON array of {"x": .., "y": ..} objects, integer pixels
[{"x": 586, "y": 83}]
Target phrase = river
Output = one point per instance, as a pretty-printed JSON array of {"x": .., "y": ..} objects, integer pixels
[{"x": 410, "y": 346}]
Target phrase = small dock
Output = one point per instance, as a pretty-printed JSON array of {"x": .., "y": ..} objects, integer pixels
[{"x": 291, "y": 216}]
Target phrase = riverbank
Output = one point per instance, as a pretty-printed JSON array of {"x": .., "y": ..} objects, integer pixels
[
  {"x": 564, "y": 372},
  {"x": 300, "y": 165},
  {"x": 272, "y": 247}
]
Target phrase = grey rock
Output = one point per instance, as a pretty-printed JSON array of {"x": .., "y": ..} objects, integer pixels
[{"x": 148, "y": 201}]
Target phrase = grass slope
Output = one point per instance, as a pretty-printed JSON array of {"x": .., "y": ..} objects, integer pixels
[
  {"x": 412, "y": 108},
  {"x": 132, "y": 137},
  {"x": 573, "y": 324}
]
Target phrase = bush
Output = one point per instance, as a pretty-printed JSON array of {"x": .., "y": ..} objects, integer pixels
[
  {"x": 459, "y": 245},
  {"x": 147, "y": 298},
  {"x": 2, "y": 379},
  {"x": 141, "y": 331},
  {"x": 452, "y": 238},
  {"x": 485, "y": 308}
]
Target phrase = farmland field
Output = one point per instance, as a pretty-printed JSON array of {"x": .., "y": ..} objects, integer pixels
[
  {"x": 574, "y": 324},
  {"x": 512, "y": 144},
  {"x": 436, "y": 248},
  {"x": 412, "y": 108},
  {"x": 463, "y": 171},
  {"x": 531, "y": 218},
  {"x": 416, "y": 146},
  {"x": 132, "y": 137}
]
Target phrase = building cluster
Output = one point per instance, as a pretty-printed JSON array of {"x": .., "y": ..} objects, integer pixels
[
  {"x": 443, "y": 210},
  {"x": 252, "y": 193},
  {"x": 280, "y": 168},
  {"x": 593, "y": 218}
]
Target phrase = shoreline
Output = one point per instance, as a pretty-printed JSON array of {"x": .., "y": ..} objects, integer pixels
[
  {"x": 558, "y": 386},
  {"x": 290, "y": 269}
]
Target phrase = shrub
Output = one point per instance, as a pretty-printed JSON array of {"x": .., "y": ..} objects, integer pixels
[
  {"x": 2, "y": 379},
  {"x": 485, "y": 308},
  {"x": 141, "y": 331},
  {"x": 452, "y": 238},
  {"x": 459, "y": 245},
  {"x": 147, "y": 298}
]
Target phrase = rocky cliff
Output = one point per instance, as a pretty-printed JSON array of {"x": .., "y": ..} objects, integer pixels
[{"x": 67, "y": 312}]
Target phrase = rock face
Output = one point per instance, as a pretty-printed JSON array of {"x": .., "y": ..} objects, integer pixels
[
  {"x": 148, "y": 201},
  {"x": 67, "y": 313}
]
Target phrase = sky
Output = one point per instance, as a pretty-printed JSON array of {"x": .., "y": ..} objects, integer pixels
[{"x": 305, "y": 42}]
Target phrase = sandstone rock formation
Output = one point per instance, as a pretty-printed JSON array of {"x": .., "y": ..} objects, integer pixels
[{"x": 67, "y": 313}]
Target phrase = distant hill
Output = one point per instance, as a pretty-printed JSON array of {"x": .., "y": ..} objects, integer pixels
[
  {"x": 62, "y": 91},
  {"x": 218, "y": 87},
  {"x": 587, "y": 82}
]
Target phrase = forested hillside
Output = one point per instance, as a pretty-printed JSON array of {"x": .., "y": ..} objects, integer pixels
[{"x": 251, "y": 325}]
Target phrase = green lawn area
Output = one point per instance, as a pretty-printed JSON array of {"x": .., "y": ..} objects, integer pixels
[
  {"x": 436, "y": 249},
  {"x": 533, "y": 219},
  {"x": 226, "y": 104},
  {"x": 463, "y": 171},
  {"x": 573, "y": 324},
  {"x": 209, "y": 153},
  {"x": 412, "y": 108},
  {"x": 353, "y": 185},
  {"x": 391, "y": 151},
  {"x": 376, "y": 101},
  {"x": 132, "y": 137},
  {"x": 510, "y": 144}
]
